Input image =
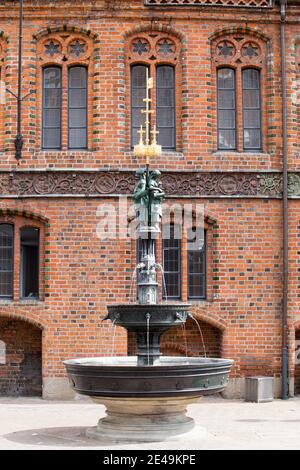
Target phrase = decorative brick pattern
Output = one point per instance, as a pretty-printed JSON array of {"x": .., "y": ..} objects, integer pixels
[{"x": 213, "y": 3}]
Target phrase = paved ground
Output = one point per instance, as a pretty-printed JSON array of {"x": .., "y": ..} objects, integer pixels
[{"x": 37, "y": 424}]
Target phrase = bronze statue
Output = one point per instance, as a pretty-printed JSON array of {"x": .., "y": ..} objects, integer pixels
[{"x": 148, "y": 198}]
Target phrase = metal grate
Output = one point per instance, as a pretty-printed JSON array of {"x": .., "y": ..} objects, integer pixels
[{"x": 214, "y": 3}]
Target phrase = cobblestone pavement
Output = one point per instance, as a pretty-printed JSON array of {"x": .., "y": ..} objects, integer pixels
[{"x": 230, "y": 424}]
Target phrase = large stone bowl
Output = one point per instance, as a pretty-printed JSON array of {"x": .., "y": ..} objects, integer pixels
[{"x": 146, "y": 403}]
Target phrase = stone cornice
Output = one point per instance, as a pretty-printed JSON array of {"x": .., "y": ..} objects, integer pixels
[{"x": 114, "y": 183}]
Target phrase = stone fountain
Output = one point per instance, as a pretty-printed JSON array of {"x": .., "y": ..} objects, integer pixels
[{"x": 146, "y": 396}]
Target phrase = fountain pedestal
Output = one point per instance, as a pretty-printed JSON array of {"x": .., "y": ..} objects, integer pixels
[{"x": 144, "y": 419}]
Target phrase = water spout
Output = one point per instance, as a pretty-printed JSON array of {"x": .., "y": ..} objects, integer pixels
[
  {"x": 159, "y": 266},
  {"x": 183, "y": 327},
  {"x": 114, "y": 336},
  {"x": 148, "y": 316},
  {"x": 200, "y": 331}
]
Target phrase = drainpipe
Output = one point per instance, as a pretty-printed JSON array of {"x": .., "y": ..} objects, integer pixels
[
  {"x": 285, "y": 360},
  {"x": 19, "y": 138}
]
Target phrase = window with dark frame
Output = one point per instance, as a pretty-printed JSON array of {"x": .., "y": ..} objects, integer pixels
[
  {"x": 30, "y": 247},
  {"x": 6, "y": 260},
  {"x": 78, "y": 107},
  {"x": 52, "y": 107},
  {"x": 226, "y": 103},
  {"x": 251, "y": 109},
  {"x": 171, "y": 251},
  {"x": 196, "y": 264},
  {"x": 138, "y": 94},
  {"x": 165, "y": 106}
]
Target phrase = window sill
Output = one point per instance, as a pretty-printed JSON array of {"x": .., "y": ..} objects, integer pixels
[
  {"x": 173, "y": 153},
  {"x": 238, "y": 153},
  {"x": 21, "y": 302},
  {"x": 199, "y": 301}
]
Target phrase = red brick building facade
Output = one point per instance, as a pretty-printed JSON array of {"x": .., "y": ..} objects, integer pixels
[{"x": 233, "y": 167}]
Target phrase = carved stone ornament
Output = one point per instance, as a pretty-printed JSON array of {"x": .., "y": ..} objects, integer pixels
[{"x": 193, "y": 184}]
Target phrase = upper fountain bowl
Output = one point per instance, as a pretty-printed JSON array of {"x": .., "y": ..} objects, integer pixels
[{"x": 159, "y": 316}]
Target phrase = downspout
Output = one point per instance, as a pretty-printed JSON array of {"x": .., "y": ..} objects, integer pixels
[
  {"x": 284, "y": 356},
  {"x": 19, "y": 137}
]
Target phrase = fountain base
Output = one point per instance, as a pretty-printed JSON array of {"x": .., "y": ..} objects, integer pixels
[{"x": 145, "y": 419}]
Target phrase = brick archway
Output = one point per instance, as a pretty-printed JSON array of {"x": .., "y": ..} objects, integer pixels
[
  {"x": 212, "y": 338},
  {"x": 21, "y": 358},
  {"x": 175, "y": 343}
]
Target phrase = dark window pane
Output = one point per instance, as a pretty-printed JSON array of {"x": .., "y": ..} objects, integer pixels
[
  {"x": 251, "y": 109},
  {"x": 77, "y": 77},
  {"x": 78, "y": 118},
  {"x": 77, "y": 98},
  {"x": 78, "y": 108},
  {"x": 251, "y": 99},
  {"x": 252, "y": 139},
  {"x": 251, "y": 79},
  {"x": 226, "y": 139},
  {"x": 166, "y": 117},
  {"x": 227, "y": 117},
  {"x": 77, "y": 138},
  {"x": 166, "y": 97},
  {"x": 51, "y": 118},
  {"x": 172, "y": 262},
  {"x": 165, "y": 105},
  {"x": 196, "y": 254},
  {"x": 52, "y": 108},
  {"x": 251, "y": 118},
  {"x": 52, "y": 78},
  {"x": 6, "y": 260},
  {"x": 137, "y": 119},
  {"x": 52, "y": 98},
  {"x": 51, "y": 138},
  {"x": 138, "y": 93},
  {"x": 30, "y": 262},
  {"x": 226, "y": 99},
  {"x": 226, "y": 109},
  {"x": 226, "y": 79}
]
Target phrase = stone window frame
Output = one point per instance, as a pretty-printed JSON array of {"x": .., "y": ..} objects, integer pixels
[
  {"x": 19, "y": 222},
  {"x": 151, "y": 58},
  {"x": 65, "y": 60},
  {"x": 239, "y": 62}
]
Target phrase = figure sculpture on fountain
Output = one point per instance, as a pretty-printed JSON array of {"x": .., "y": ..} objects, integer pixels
[{"x": 148, "y": 198}]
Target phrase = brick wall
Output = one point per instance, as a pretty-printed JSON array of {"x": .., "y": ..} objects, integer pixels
[{"x": 21, "y": 365}]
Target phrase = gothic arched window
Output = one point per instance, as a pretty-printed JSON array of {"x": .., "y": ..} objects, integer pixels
[
  {"x": 66, "y": 63},
  {"x": 158, "y": 54},
  {"x": 239, "y": 65}
]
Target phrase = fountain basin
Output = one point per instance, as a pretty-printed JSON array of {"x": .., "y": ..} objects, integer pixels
[
  {"x": 174, "y": 376},
  {"x": 147, "y": 404}
]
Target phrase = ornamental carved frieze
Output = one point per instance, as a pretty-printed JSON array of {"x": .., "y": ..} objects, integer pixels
[{"x": 107, "y": 183}]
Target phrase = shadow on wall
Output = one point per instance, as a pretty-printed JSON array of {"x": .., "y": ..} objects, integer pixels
[{"x": 20, "y": 359}]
